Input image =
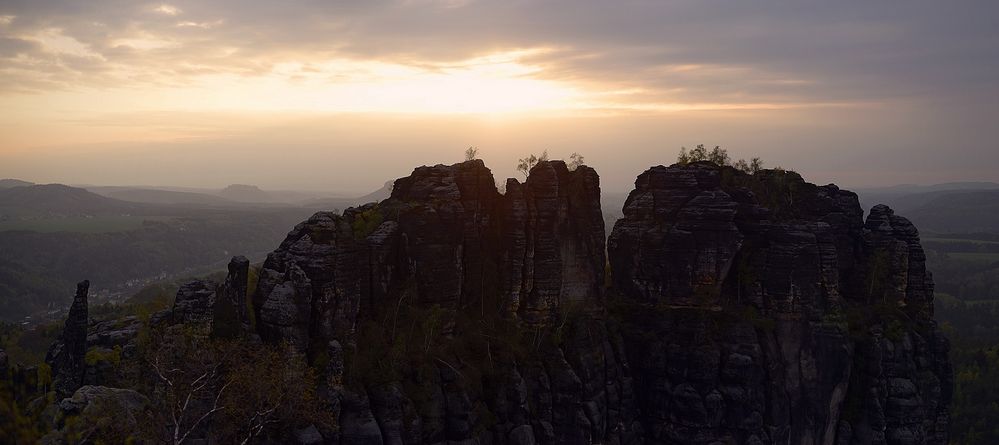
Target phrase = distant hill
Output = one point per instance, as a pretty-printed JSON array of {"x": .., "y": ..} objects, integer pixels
[
  {"x": 342, "y": 203},
  {"x": 11, "y": 183},
  {"x": 909, "y": 196},
  {"x": 954, "y": 207},
  {"x": 957, "y": 212},
  {"x": 916, "y": 188},
  {"x": 245, "y": 193},
  {"x": 58, "y": 199},
  {"x": 155, "y": 196}
]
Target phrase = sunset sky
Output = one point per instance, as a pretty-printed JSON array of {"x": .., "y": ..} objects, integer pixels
[{"x": 340, "y": 96}]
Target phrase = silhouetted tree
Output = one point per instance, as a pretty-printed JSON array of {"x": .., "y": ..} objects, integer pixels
[
  {"x": 718, "y": 156},
  {"x": 471, "y": 153},
  {"x": 526, "y": 164},
  {"x": 575, "y": 161}
]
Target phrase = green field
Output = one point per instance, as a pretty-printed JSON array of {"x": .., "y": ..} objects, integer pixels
[{"x": 79, "y": 224}]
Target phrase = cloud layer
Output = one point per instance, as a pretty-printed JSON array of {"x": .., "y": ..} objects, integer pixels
[
  {"x": 927, "y": 69},
  {"x": 633, "y": 52}
]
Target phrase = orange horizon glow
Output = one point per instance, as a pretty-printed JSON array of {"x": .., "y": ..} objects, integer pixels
[{"x": 627, "y": 83}]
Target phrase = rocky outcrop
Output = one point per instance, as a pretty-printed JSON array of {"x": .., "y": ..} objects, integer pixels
[
  {"x": 895, "y": 264},
  {"x": 742, "y": 308},
  {"x": 220, "y": 309},
  {"x": 231, "y": 308},
  {"x": 553, "y": 249},
  {"x": 109, "y": 344},
  {"x": 773, "y": 298},
  {"x": 311, "y": 284},
  {"x": 66, "y": 357},
  {"x": 441, "y": 240},
  {"x": 98, "y": 411},
  {"x": 195, "y": 304},
  {"x": 678, "y": 239}
]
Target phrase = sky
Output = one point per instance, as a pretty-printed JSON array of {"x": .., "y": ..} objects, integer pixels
[{"x": 340, "y": 96}]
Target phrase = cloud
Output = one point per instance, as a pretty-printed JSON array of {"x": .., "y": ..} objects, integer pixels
[
  {"x": 167, "y": 9},
  {"x": 708, "y": 52},
  {"x": 202, "y": 25}
]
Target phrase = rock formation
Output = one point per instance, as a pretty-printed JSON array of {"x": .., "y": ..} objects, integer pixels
[
  {"x": 98, "y": 411},
  {"x": 195, "y": 303},
  {"x": 219, "y": 309},
  {"x": 827, "y": 333},
  {"x": 66, "y": 356},
  {"x": 230, "y": 311},
  {"x": 741, "y": 308},
  {"x": 445, "y": 238}
]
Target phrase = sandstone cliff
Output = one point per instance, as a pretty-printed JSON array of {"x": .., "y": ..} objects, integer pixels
[
  {"x": 742, "y": 309},
  {"x": 824, "y": 329},
  {"x": 738, "y": 309}
]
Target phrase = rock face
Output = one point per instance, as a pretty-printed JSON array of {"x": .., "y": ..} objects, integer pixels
[
  {"x": 678, "y": 239},
  {"x": 219, "y": 309},
  {"x": 445, "y": 238},
  {"x": 195, "y": 303},
  {"x": 230, "y": 311},
  {"x": 743, "y": 309},
  {"x": 827, "y": 331},
  {"x": 67, "y": 354},
  {"x": 554, "y": 241}
]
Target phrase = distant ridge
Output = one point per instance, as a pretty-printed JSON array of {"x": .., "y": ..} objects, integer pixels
[
  {"x": 245, "y": 193},
  {"x": 11, "y": 183},
  {"x": 953, "y": 207},
  {"x": 154, "y": 196},
  {"x": 958, "y": 212},
  {"x": 59, "y": 199},
  {"x": 342, "y": 203},
  {"x": 915, "y": 188}
]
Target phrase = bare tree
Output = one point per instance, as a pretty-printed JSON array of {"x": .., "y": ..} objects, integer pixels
[
  {"x": 575, "y": 161},
  {"x": 471, "y": 153},
  {"x": 231, "y": 389},
  {"x": 526, "y": 164},
  {"x": 191, "y": 383},
  {"x": 287, "y": 398}
]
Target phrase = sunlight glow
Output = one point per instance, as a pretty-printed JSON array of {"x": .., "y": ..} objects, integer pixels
[{"x": 496, "y": 83}]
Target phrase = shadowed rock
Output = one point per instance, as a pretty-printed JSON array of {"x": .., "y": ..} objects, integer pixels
[
  {"x": 792, "y": 271},
  {"x": 195, "y": 304},
  {"x": 554, "y": 241},
  {"x": 745, "y": 309},
  {"x": 230, "y": 317},
  {"x": 67, "y": 354},
  {"x": 442, "y": 239}
]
